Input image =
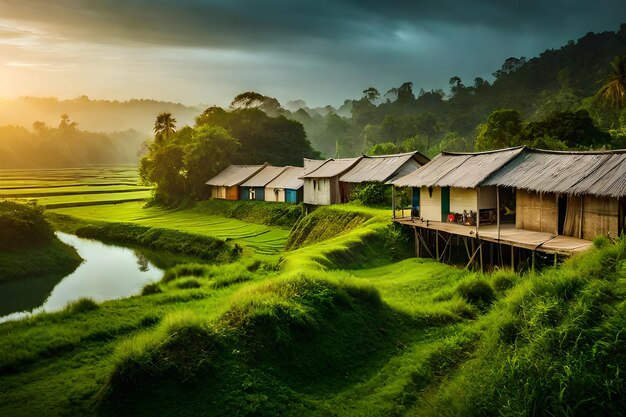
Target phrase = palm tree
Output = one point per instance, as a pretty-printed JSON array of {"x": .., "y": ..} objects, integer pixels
[
  {"x": 613, "y": 92},
  {"x": 164, "y": 126}
]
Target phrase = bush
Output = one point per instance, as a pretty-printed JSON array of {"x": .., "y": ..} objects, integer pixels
[
  {"x": 372, "y": 193},
  {"x": 477, "y": 292},
  {"x": 22, "y": 226},
  {"x": 153, "y": 288},
  {"x": 81, "y": 305},
  {"x": 187, "y": 284}
]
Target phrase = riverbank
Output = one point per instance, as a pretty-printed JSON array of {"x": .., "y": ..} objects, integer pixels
[{"x": 28, "y": 247}]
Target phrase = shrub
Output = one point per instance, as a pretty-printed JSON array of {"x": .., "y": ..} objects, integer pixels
[
  {"x": 372, "y": 193},
  {"x": 477, "y": 292},
  {"x": 81, "y": 305},
  {"x": 22, "y": 225},
  {"x": 188, "y": 283},
  {"x": 153, "y": 288}
]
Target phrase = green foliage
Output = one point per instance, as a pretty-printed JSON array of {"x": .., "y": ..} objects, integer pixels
[
  {"x": 501, "y": 130},
  {"x": 179, "y": 163},
  {"x": 477, "y": 292},
  {"x": 153, "y": 288},
  {"x": 22, "y": 226},
  {"x": 80, "y": 306},
  {"x": 373, "y": 193}
]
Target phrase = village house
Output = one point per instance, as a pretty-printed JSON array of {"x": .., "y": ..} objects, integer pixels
[
  {"x": 527, "y": 199},
  {"x": 382, "y": 168},
  {"x": 225, "y": 185},
  {"x": 254, "y": 187},
  {"x": 287, "y": 187},
  {"x": 321, "y": 181}
]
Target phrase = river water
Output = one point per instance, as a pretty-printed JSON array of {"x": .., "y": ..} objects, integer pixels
[{"x": 108, "y": 272}]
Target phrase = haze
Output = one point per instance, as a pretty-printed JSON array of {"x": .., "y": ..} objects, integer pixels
[{"x": 205, "y": 52}]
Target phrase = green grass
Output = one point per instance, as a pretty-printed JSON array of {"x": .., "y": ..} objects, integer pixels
[
  {"x": 262, "y": 239},
  {"x": 342, "y": 324}
]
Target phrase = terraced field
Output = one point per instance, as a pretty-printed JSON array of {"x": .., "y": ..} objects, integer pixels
[
  {"x": 73, "y": 186},
  {"x": 263, "y": 239}
]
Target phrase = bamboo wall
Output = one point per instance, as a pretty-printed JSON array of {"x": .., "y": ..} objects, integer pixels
[
  {"x": 600, "y": 217},
  {"x": 535, "y": 211},
  {"x": 430, "y": 207},
  {"x": 461, "y": 199}
]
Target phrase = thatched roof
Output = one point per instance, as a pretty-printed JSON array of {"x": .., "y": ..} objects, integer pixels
[
  {"x": 332, "y": 167},
  {"x": 598, "y": 173},
  {"x": 234, "y": 175},
  {"x": 384, "y": 168},
  {"x": 261, "y": 178},
  {"x": 289, "y": 179},
  {"x": 461, "y": 170}
]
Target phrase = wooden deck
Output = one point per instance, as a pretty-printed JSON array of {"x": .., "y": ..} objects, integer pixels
[{"x": 509, "y": 235}]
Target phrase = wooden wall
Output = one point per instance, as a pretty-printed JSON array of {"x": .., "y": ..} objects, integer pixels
[
  {"x": 430, "y": 206},
  {"x": 600, "y": 217},
  {"x": 535, "y": 211},
  {"x": 319, "y": 191}
]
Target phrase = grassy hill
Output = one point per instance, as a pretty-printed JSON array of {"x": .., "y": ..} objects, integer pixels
[{"x": 343, "y": 324}]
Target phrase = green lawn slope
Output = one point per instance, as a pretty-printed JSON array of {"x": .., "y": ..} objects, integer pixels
[{"x": 343, "y": 323}]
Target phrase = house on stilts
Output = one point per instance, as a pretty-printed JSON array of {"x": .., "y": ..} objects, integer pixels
[{"x": 515, "y": 205}]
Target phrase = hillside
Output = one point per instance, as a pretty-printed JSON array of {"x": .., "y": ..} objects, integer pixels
[{"x": 314, "y": 335}]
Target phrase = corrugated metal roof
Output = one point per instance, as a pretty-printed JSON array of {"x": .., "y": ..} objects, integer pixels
[
  {"x": 261, "y": 178},
  {"x": 311, "y": 165},
  {"x": 289, "y": 179},
  {"x": 234, "y": 175},
  {"x": 461, "y": 170},
  {"x": 597, "y": 173},
  {"x": 381, "y": 168},
  {"x": 332, "y": 168}
]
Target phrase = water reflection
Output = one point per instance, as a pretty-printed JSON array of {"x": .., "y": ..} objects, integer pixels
[{"x": 107, "y": 272}]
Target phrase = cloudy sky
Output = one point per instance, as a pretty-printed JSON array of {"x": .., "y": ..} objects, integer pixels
[{"x": 323, "y": 51}]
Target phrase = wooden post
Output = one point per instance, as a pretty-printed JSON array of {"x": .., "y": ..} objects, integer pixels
[
  {"x": 437, "y": 244},
  {"x": 513, "y": 257},
  {"x": 480, "y": 248},
  {"x": 580, "y": 224},
  {"x": 533, "y": 262},
  {"x": 477, "y": 209},
  {"x": 498, "y": 210},
  {"x": 417, "y": 243},
  {"x": 393, "y": 200}
]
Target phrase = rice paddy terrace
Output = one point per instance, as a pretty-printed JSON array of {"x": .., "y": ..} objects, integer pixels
[
  {"x": 114, "y": 194},
  {"x": 73, "y": 186}
]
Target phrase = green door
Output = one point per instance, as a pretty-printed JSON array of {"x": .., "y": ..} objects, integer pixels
[{"x": 445, "y": 203}]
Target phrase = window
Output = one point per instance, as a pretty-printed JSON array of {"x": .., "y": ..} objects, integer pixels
[
  {"x": 251, "y": 193},
  {"x": 314, "y": 185}
]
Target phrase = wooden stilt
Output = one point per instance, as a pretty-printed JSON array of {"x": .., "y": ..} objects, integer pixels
[
  {"x": 417, "y": 243},
  {"x": 480, "y": 249},
  {"x": 472, "y": 257},
  {"x": 513, "y": 257},
  {"x": 533, "y": 261},
  {"x": 425, "y": 245},
  {"x": 437, "y": 244}
]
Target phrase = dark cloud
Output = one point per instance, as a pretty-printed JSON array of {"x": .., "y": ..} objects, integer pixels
[
  {"x": 344, "y": 44},
  {"x": 273, "y": 23}
]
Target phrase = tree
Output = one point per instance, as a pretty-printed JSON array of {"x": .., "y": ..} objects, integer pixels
[
  {"x": 427, "y": 124},
  {"x": 247, "y": 100},
  {"x": 211, "y": 150},
  {"x": 164, "y": 127},
  {"x": 405, "y": 92},
  {"x": 66, "y": 124},
  {"x": 387, "y": 148},
  {"x": 371, "y": 94},
  {"x": 574, "y": 129},
  {"x": 501, "y": 130},
  {"x": 613, "y": 92}
]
